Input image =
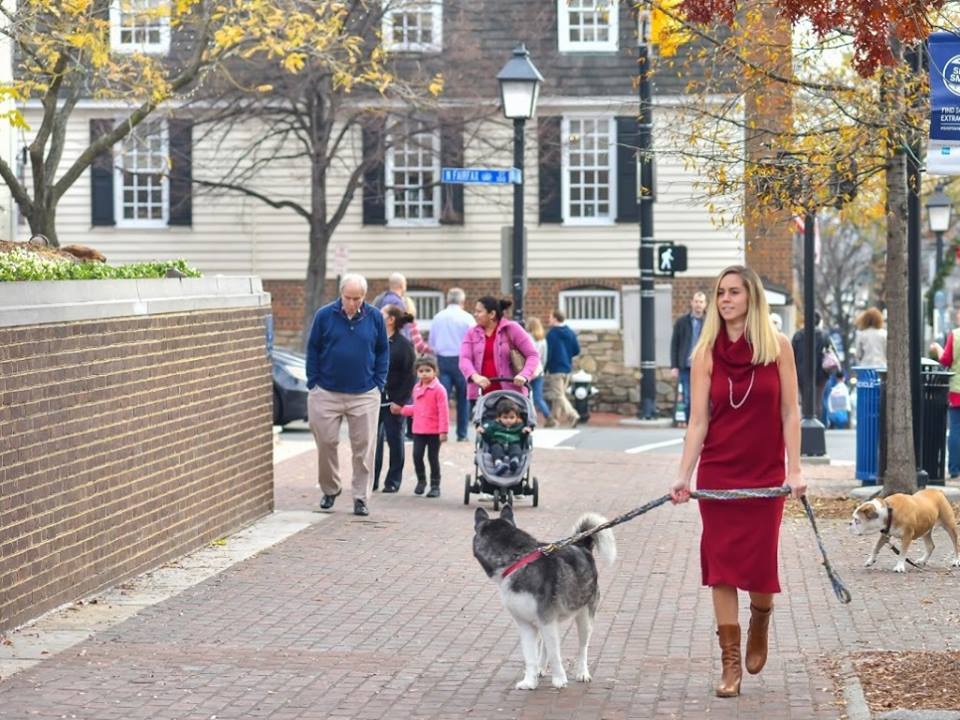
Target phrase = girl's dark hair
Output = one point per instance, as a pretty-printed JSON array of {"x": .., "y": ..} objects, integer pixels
[
  {"x": 429, "y": 361},
  {"x": 495, "y": 305},
  {"x": 400, "y": 316}
]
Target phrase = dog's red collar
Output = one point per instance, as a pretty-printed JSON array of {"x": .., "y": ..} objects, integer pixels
[{"x": 525, "y": 560}]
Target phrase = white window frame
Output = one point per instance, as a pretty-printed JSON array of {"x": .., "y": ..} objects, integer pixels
[
  {"x": 568, "y": 219},
  {"x": 390, "y": 197},
  {"x": 116, "y": 16},
  {"x": 395, "y": 7},
  {"x": 596, "y": 323},
  {"x": 118, "y": 186},
  {"x": 433, "y": 296},
  {"x": 565, "y": 44}
]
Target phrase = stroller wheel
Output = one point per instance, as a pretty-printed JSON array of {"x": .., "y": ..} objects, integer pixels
[
  {"x": 466, "y": 490},
  {"x": 536, "y": 492},
  {"x": 496, "y": 500},
  {"x": 508, "y": 498}
]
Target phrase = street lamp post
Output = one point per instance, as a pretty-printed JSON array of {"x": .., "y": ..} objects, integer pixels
[
  {"x": 519, "y": 89},
  {"x": 939, "y": 207}
]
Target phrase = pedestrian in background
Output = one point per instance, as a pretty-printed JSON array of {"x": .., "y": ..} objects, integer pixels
[
  {"x": 447, "y": 330},
  {"x": 401, "y": 378},
  {"x": 431, "y": 422},
  {"x": 949, "y": 357},
  {"x": 744, "y": 421},
  {"x": 348, "y": 354},
  {"x": 821, "y": 343},
  {"x": 870, "y": 344},
  {"x": 562, "y": 348},
  {"x": 393, "y": 295},
  {"x": 686, "y": 333},
  {"x": 536, "y": 384}
]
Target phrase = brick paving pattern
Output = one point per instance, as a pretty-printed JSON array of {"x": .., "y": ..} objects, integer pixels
[{"x": 390, "y": 616}]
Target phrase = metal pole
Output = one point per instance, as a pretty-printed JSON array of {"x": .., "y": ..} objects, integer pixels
[
  {"x": 518, "y": 253},
  {"x": 914, "y": 304},
  {"x": 939, "y": 260},
  {"x": 813, "y": 440},
  {"x": 648, "y": 357}
]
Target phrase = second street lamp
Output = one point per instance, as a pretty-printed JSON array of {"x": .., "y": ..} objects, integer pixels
[
  {"x": 519, "y": 89},
  {"x": 939, "y": 207}
]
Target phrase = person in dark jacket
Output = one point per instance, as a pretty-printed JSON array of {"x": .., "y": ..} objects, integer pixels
[
  {"x": 347, "y": 358},
  {"x": 686, "y": 332},
  {"x": 400, "y": 380},
  {"x": 562, "y": 347},
  {"x": 820, "y": 344}
]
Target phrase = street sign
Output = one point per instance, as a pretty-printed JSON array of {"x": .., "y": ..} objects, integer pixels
[
  {"x": 341, "y": 259},
  {"x": 671, "y": 259},
  {"x": 479, "y": 176}
]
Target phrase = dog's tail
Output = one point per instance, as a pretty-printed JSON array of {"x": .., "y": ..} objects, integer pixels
[{"x": 603, "y": 542}]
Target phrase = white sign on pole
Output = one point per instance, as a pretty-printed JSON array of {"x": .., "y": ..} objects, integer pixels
[{"x": 341, "y": 259}]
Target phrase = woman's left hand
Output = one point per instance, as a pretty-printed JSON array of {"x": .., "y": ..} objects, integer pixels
[
  {"x": 520, "y": 381},
  {"x": 798, "y": 487}
]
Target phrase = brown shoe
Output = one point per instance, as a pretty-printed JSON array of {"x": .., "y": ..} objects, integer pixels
[
  {"x": 729, "y": 660},
  {"x": 757, "y": 638}
]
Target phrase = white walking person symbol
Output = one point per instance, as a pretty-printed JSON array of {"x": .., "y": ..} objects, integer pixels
[{"x": 666, "y": 259}]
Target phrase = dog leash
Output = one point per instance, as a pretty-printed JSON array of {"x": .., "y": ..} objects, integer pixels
[{"x": 839, "y": 589}]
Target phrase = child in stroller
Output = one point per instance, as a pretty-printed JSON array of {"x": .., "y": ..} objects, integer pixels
[{"x": 506, "y": 437}]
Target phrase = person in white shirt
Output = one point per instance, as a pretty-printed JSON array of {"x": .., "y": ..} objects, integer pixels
[{"x": 447, "y": 330}]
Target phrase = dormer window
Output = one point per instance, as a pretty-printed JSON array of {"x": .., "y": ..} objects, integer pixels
[
  {"x": 140, "y": 26},
  {"x": 413, "y": 25},
  {"x": 588, "y": 25}
]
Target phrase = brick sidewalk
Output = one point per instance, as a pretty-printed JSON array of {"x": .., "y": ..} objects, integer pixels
[{"x": 391, "y": 617}]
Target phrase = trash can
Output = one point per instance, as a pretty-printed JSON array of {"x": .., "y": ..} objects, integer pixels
[
  {"x": 869, "y": 387},
  {"x": 935, "y": 387}
]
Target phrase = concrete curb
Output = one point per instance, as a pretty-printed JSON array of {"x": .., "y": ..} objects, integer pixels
[{"x": 857, "y": 708}]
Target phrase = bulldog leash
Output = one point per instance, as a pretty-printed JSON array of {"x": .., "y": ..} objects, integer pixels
[{"x": 839, "y": 589}]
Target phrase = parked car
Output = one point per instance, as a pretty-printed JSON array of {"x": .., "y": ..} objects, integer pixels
[{"x": 289, "y": 386}]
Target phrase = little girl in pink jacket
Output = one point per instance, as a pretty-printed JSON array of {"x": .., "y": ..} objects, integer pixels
[{"x": 431, "y": 422}]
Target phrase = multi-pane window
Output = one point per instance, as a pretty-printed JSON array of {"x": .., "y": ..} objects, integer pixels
[
  {"x": 141, "y": 176},
  {"x": 413, "y": 174},
  {"x": 587, "y": 25},
  {"x": 428, "y": 303},
  {"x": 140, "y": 26},
  {"x": 413, "y": 25},
  {"x": 589, "y": 170},
  {"x": 595, "y": 309}
]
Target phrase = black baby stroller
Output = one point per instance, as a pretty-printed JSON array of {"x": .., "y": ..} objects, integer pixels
[{"x": 503, "y": 488}]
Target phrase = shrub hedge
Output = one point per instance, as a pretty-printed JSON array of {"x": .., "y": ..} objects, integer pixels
[{"x": 21, "y": 264}]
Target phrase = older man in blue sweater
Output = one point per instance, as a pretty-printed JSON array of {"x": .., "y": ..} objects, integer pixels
[{"x": 348, "y": 355}]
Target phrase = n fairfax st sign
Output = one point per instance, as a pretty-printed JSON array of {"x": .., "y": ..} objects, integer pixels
[
  {"x": 479, "y": 176},
  {"x": 943, "y": 150}
]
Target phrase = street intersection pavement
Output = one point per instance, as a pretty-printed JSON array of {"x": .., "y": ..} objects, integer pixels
[{"x": 391, "y": 617}]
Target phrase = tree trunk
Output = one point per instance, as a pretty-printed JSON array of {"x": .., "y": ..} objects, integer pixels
[
  {"x": 901, "y": 472},
  {"x": 313, "y": 290},
  {"x": 43, "y": 221}
]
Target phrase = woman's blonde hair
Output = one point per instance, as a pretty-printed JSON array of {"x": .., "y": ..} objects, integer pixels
[
  {"x": 870, "y": 318},
  {"x": 536, "y": 328},
  {"x": 410, "y": 305},
  {"x": 759, "y": 330}
]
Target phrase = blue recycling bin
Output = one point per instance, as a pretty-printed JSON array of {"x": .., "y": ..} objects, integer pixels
[{"x": 869, "y": 395}]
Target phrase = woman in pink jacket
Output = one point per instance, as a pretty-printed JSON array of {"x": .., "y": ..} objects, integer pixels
[
  {"x": 485, "y": 352},
  {"x": 431, "y": 422}
]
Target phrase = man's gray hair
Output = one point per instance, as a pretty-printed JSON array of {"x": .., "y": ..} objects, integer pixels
[
  {"x": 397, "y": 282},
  {"x": 353, "y": 278},
  {"x": 456, "y": 295}
]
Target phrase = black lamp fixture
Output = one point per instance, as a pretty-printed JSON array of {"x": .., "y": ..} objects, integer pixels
[
  {"x": 939, "y": 209},
  {"x": 519, "y": 90}
]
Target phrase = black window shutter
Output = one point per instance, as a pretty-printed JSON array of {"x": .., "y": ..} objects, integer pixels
[
  {"x": 181, "y": 171},
  {"x": 628, "y": 210},
  {"x": 101, "y": 178},
  {"x": 374, "y": 182},
  {"x": 551, "y": 196},
  {"x": 451, "y": 155}
]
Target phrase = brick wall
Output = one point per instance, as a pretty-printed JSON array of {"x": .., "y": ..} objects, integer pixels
[{"x": 125, "y": 443}]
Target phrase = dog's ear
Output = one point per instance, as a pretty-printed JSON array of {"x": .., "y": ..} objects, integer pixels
[
  {"x": 479, "y": 517},
  {"x": 507, "y": 514},
  {"x": 870, "y": 512}
]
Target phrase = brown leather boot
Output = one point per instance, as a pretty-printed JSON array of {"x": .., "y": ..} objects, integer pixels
[
  {"x": 757, "y": 638},
  {"x": 730, "y": 661}
]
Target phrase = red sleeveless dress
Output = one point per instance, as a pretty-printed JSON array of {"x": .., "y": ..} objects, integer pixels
[{"x": 743, "y": 449}]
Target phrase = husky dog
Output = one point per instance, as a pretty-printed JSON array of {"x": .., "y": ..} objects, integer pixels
[{"x": 542, "y": 594}]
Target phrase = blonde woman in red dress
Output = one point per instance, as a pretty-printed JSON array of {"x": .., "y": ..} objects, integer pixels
[{"x": 745, "y": 431}]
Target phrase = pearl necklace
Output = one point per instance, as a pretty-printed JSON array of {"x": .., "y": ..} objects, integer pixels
[{"x": 738, "y": 405}]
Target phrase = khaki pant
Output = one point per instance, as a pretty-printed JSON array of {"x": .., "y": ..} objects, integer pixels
[
  {"x": 555, "y": 393},
  {"x": 325, "y": 411}
]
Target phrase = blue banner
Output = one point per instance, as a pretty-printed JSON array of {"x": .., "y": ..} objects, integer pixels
[{"x": 944, "y": 86}]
